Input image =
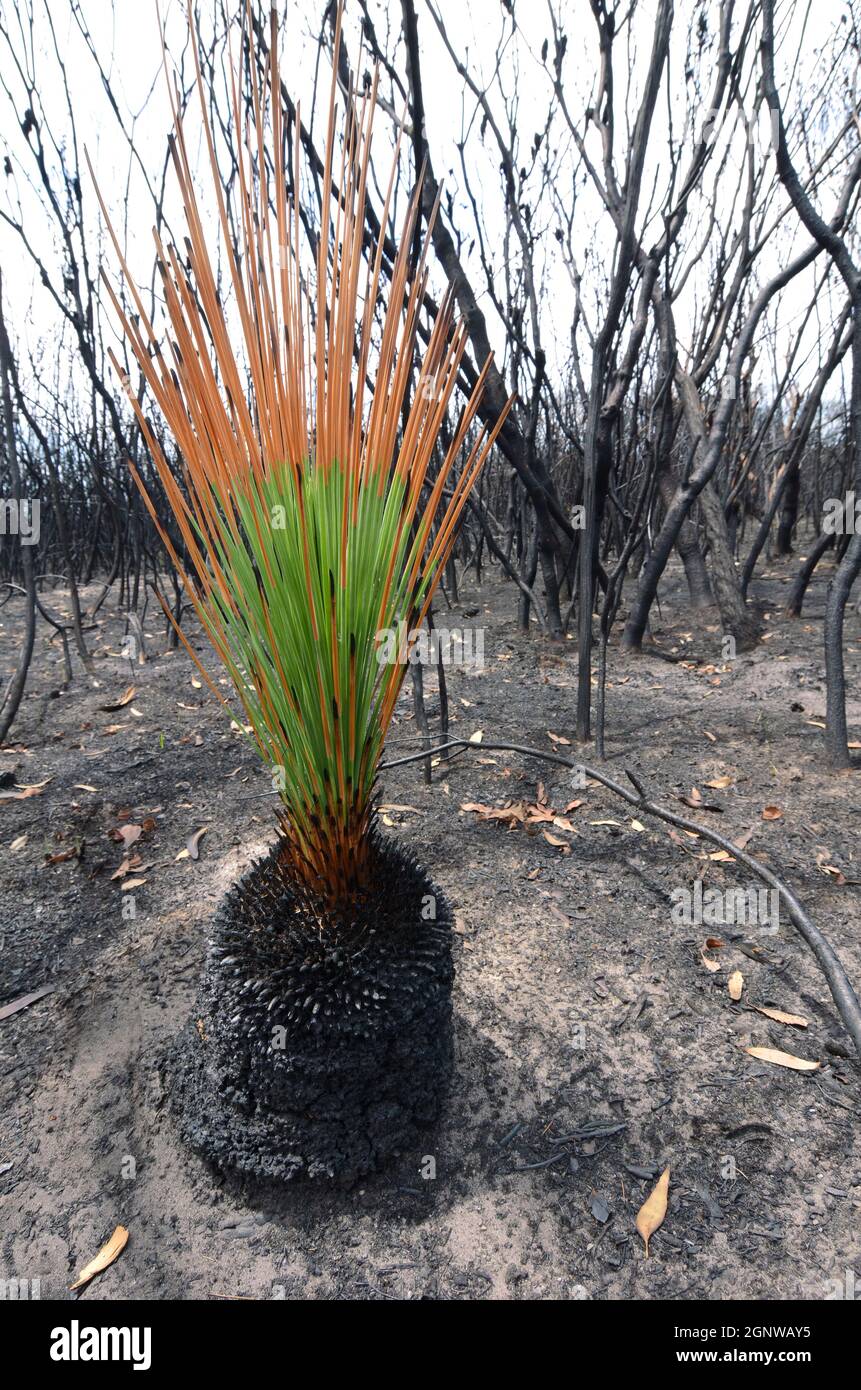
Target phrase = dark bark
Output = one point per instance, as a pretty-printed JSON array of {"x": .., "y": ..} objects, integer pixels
[{"x": 15, "y": 690}]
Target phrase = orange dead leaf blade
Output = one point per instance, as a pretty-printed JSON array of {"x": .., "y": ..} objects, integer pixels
[
  {"x": 792, "y": 1020},
  {"x": 106, "y": 1256},
  {"x": 735, "y": 985},
  {"x": 654, "y": 1209},
  {"x": 782, "y": 1059},
  {"x": 125, "y": 699}
]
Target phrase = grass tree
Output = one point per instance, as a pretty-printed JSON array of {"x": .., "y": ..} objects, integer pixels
[
  {"x": 317, "y": 512},
  {"x": 306, "y": 504}
]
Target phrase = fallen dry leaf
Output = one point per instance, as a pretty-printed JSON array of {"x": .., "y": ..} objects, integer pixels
[
  {"x": 771, "y": 813},
  {"x": 638, "y": 826},
  {"x": 133, "y": 883},
  {"x": 782, "y": 1059},
  {"x": 795, "y": 1020},
  {"x": 832, "y": 870},
  {"x": 735, "y": 985},
  {"x": 720, "y": 856},
  {"x": 192, "y": 844},
  {"x": 64, "y": 855},
  {"x": 557, "y": 738},
  {"x": 24, "y": 1001},
  {"x": 654, "y": 1209},
  {"x": 125, "y": 699},
  {"x": 23, "y": 793},
  {"x": 709, "y": 964},
  {"x": 83, "y": 787},
  {"x": 477, "y": 736},
  {"x": 713, "y": 943},
  {"x": 106, "y": 1256},
  {"x": 18, "y": 843},
  {"x": 556, "y": 841},
  {"x": 126, "y": 834},
  {"x": 719, "y": 783}
]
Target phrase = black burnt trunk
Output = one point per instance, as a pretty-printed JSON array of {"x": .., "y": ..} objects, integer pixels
[{"x": 321, "y": 1042}]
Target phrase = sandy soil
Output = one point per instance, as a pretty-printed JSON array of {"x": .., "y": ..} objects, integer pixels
[{"x": 580, "y": 1004}]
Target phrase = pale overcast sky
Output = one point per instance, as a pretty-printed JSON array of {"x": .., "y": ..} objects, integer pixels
[{"x": 125, "y": 35}]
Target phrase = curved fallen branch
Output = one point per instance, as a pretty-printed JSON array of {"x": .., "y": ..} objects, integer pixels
[{"x": 839, "y": 983}]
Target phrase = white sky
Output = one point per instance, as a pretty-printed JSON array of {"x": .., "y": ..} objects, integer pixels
[{"x": 125, "y": 35}]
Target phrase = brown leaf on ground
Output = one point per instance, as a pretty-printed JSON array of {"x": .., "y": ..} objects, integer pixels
[
  {"x": 106, "y": 1256},
  {"x": 126, "y": 835},
  {"x": 64, "y": 855},
  {"x": 772, "y": 813},
  {"x": 557, "y": 842},
  {"x": 782, "y": 1059},
  {"x": 794, "y": 1020},
  {"x": 23, "y": 793},
  {"x": 654, "y": 1209},
  {"x": 735, "y": 985},
  {"x": 125, "y": 699}
]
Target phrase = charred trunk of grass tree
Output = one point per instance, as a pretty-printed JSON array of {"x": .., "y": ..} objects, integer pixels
[{"x": 322, "y": 1040}]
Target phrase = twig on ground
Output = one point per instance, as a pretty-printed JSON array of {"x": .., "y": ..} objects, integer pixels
[{"x": 829, "y": 962}]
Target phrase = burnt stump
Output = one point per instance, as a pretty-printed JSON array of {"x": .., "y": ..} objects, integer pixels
[{"x": 321, "y": 1042}]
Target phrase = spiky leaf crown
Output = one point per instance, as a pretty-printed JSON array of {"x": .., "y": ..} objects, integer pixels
[{"x": 308, "y": 510}]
